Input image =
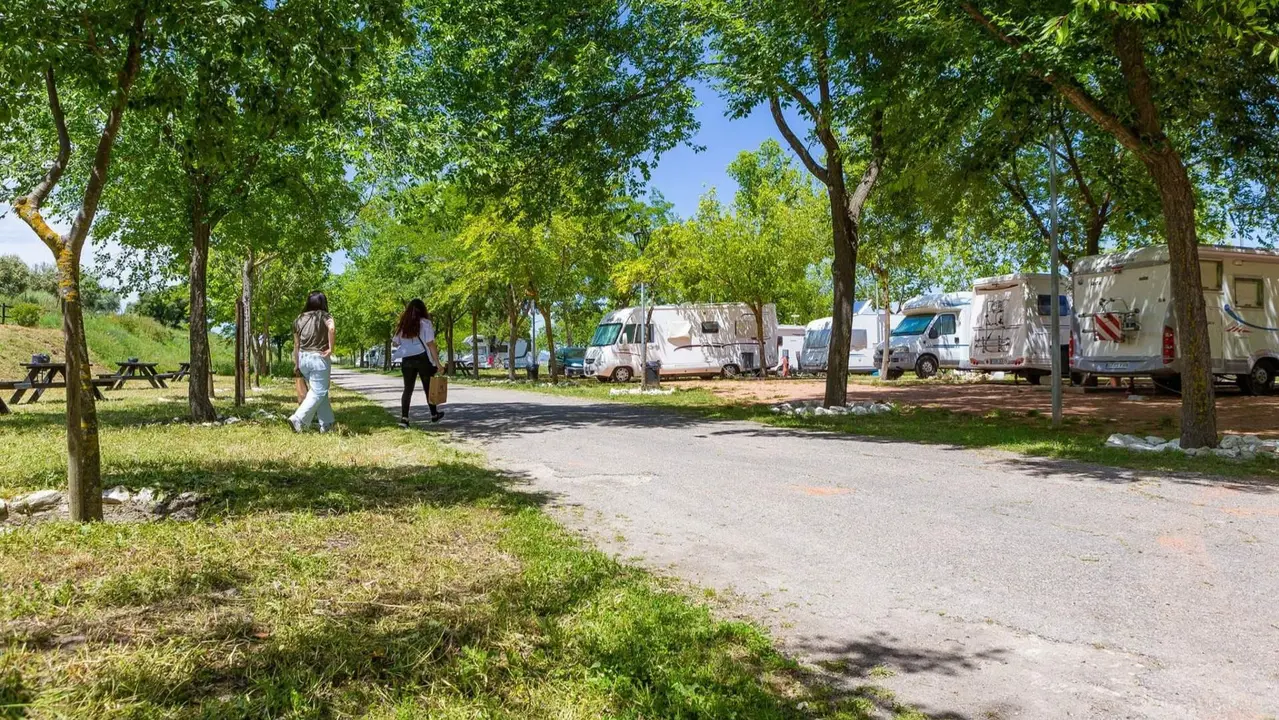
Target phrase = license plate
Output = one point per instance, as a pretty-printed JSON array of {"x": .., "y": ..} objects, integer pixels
[{"x": 1117, "y": 366}]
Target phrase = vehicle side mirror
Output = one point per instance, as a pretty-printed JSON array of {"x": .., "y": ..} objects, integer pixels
[{"x": 932, "y": 333}]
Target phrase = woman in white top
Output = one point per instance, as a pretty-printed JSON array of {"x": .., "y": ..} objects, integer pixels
[{"x": 414, "y": 346}]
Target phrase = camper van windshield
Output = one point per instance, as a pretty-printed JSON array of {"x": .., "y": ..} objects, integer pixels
[
  {"x": 605, "y": 334},
  {"x": 913, "y": 325},
  {"x": 817, "y": 338}
]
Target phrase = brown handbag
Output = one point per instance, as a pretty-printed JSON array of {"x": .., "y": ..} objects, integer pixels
[{"x": 438, "y": 392}]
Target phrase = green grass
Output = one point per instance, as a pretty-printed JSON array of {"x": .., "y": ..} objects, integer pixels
[
  {"x": 371, "y": 572},
  {"x": 1029, "y": 433}
]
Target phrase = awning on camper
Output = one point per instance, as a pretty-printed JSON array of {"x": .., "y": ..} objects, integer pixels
[{"x": 680, "y": 329}]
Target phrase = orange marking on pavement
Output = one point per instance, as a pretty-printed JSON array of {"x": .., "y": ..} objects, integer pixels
[
  {"x": 822, "y": 491},
  {"x": 1251, "y": 512}
]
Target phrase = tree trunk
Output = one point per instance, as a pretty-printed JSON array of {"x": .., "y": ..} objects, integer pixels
[
  {"x": 239, "y": 352},
  {"x": 758, "y": 309},
  {"x": 843, "y": 271},
  {"x": 568, "y": 329},
  {"x": 1177, "y": 198},
  {"x": 550, "y": 344},
  {"x": 475, "y": 341},
  {"x": 386, "y": 355},
  {"x": 263, "y": 348},
  {"x": 1096, "y": 226},
  {"x": 513, "y": 316},
  {"x": 448, "y": 342},
  {"x": 84, "y": 462},
  {"x": 201, "y": 386},
  {"x": 888, "y": 323}
]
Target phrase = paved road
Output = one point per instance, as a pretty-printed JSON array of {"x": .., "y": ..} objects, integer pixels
[{"x": 993, "y": 586}]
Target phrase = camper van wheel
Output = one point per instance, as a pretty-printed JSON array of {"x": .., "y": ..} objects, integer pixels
[
  {"x": 622, "y": 374},
  {"x": 1034, "y": 378},
  {"x": 926, "y": 367},
  {"x": 730, "y": 371},
  {"x": 1170, "y": 384},
  {"x": 895, "y": 374},
  {"x": 1261, "y": 381}
]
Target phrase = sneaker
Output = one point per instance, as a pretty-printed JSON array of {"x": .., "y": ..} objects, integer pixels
[
  {"x": 404, "y": 423},
  {"x": 437, "y": 416},
  {"x": 296, "y": 424}
]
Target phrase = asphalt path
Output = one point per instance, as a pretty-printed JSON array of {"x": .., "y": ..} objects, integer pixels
[{"x": 973, "y": 584}]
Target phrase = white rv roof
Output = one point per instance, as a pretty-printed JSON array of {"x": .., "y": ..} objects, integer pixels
[
  {"x": 819, "y": 324},
  {"x": 1158, "y": 255},
  {"x": 1014, "y": 279},
  {"x": 937, "y": 301}
]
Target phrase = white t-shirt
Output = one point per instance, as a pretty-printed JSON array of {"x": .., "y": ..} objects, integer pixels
[{"x": 403, "y": 347}]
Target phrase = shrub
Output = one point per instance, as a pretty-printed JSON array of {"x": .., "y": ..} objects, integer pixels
[{"x": 27, "y": 314}]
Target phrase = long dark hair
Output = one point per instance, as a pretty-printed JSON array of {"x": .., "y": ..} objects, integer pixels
[
  {"x": 411, "y": 319},
  {"x": 317, "y": 301}
]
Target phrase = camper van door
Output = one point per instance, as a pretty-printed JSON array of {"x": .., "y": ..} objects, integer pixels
[{"x": 944, "y": 337}]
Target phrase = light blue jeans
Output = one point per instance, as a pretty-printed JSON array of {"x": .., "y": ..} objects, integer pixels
[{"x": 315, "y": 368}]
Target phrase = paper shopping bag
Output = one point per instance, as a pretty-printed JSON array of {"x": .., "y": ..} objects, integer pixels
[{"x": 438, "y": 394}]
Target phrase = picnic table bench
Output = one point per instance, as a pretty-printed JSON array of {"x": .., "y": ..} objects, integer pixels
[
  {"x": 40, "y": 377},
  {"x": 134, "y": 370}
]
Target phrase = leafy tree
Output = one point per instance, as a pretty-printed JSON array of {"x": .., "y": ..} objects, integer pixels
[
  {"x": 15, "y": 277},
  {"x": 167, "y": 305},
  {"x": 240, "y": 109},
  {"x": 1157, "y": 77},
  {"x": 832, "y": 63},
  {"x": 89, "y": 57}
]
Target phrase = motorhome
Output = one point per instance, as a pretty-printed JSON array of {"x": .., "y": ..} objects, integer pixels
[
  {"x": 934, "y": 333},
  {"x": 1127, "y": 324},
  {"x": 706, "y": 340},
  {"x": 486, "y": 356},
  {"x": 866, "y": 335},
  {"x": 501, "y": 351},
  {"x": 1012, "y": 325},
  {"x": 790, "y": 344}
]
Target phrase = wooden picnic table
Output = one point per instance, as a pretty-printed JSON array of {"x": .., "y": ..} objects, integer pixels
[
  {"x": 131, "y": 370},
  {"x": 40, "y": 377}
]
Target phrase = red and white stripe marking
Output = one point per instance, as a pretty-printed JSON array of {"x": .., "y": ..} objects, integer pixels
[{"x": 1109, "y": 326}]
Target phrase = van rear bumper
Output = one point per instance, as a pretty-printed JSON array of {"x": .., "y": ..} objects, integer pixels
[{"x": 1126, "y": 366}]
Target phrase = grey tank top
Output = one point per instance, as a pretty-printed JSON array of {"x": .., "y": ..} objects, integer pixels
[{"x": 313, "y": 331}]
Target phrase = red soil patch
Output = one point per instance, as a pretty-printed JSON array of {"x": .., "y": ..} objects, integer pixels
[{"x": 1236, "y": 413}]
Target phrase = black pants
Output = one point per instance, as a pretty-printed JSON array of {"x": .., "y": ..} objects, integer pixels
[{"x": 412, "y": 368}]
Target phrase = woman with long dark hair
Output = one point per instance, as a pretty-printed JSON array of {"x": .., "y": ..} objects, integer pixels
[
  {"x": 414, "y": 346},
  {"x": 313, "y": 336}
]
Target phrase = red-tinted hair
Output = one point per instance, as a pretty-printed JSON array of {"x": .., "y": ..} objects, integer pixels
[{"x": 411, "y": 319}]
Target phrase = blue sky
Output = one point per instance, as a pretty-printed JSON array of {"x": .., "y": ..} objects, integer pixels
[{"x": 682, "y": 175}]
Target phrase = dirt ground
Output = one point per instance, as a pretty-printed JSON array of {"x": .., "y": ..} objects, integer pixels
[{"x": 1236, "y": 413}]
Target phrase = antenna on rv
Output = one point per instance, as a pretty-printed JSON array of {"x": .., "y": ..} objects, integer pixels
[{"x": 1054, "y": 287}]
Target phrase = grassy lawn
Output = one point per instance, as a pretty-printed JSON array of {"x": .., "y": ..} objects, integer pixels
[
  {"x": 373, "y": 572},
  {"x": 1029, "y": 433}
]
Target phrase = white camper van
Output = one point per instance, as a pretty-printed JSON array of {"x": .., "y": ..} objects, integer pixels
[
  {"x": 464, "y": 357},
  {"x": 706, "y": 340},
  {"x": 866, "y": 335},
  {"x": 934, "y": 333},
  {"x": 1127, "y": 325},
  {"x": 1012, "y": 322},
  {"x": 790, "y": 343},
  {"x": 501, "y": 350}
]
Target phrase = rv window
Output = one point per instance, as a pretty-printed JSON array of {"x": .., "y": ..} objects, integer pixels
[
  {"x": 859, "y": 339},
  {"x": 1249, "y": 293},
  {"x": 631, "y": 334},
  {"x": 1063, "y": 306},
  {"x": 816, "y": 339},
  {"x": 746, "y": 326},
  {"x": 605, "y": 334},
  {"x": 710, "y": 327},
  {"x": 913, "y": 325},
  {"x": 1210, "y": 272},
  {"x": 945, "y": 325}
]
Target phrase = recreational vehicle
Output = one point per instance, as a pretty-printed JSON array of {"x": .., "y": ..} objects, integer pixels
[
  {"x": 704, "y": 340},
  {"x": 866, "y": 335},
  {"x": 1127, "y": 324},
  {"x": 934, "y": 333},
  {"x": 464, "y": 355},
  {"x": 522, "y": 356},
  {"x": 790, "y": 344},
  {"x": 1012, "y": 325}
]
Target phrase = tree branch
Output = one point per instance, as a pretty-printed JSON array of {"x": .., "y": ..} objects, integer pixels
[
  {"x": 857, "y": 201},
  {"x": 102, "y": 158},
  {"x": 28, "y": 207},
  {"x": 1068, "y": 88},
  {"x": 806, "y": 157},
  {"x": 1073, "y": 162},
  {"x": 1015, "y": 188}
]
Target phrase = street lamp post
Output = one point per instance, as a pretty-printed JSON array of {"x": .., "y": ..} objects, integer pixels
[{"x": 1054, "y": 284}]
